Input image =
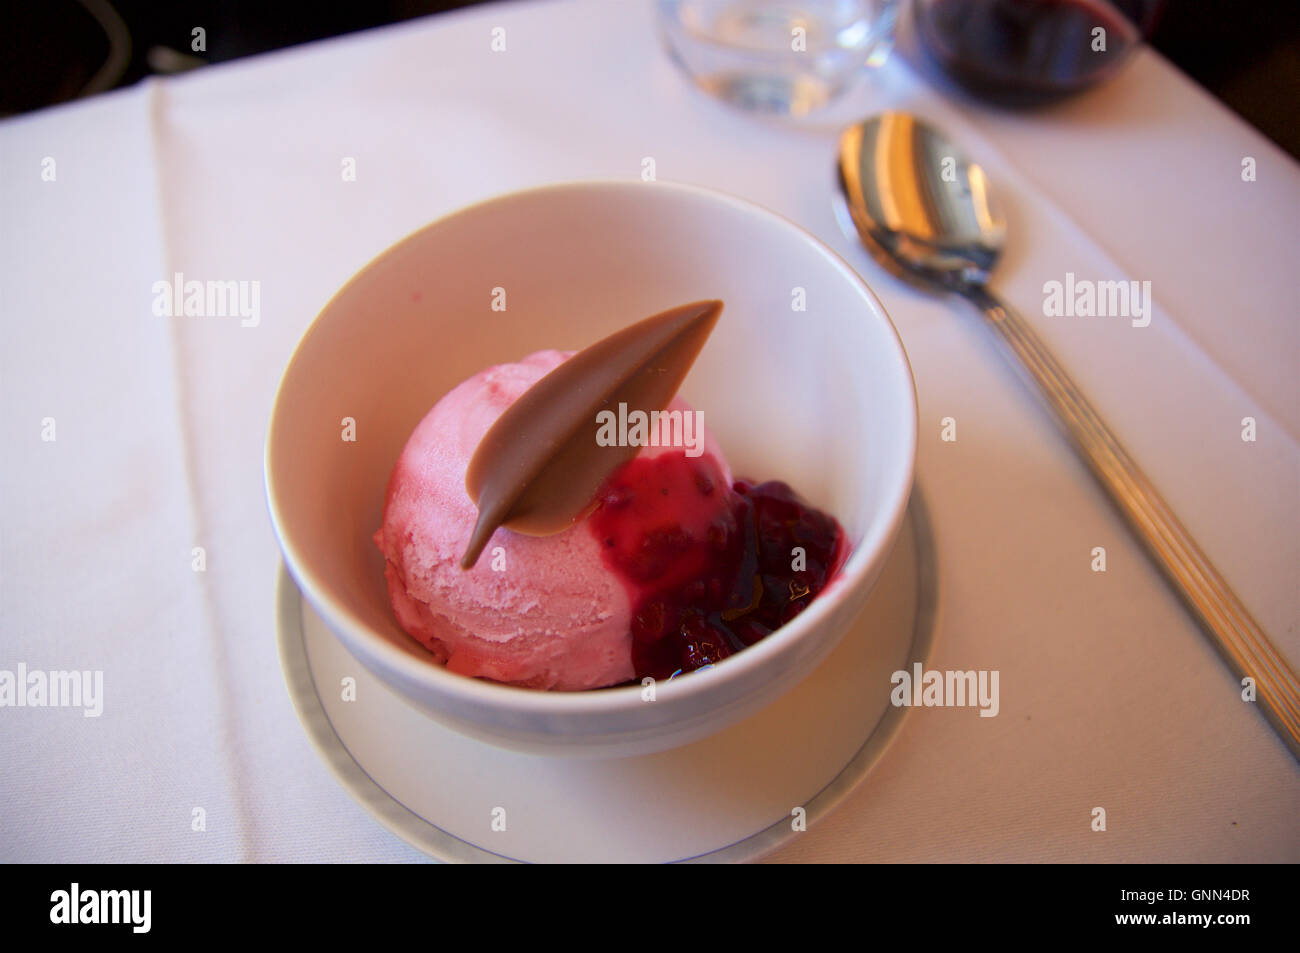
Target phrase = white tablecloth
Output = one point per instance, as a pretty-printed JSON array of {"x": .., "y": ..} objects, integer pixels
[{"x": 1110, "y": 696}]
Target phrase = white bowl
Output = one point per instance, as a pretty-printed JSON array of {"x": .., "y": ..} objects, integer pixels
[{"x": 822, "y": 398}]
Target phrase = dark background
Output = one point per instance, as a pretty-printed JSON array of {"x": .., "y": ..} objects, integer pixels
[{"x": 1245, "y": 52}]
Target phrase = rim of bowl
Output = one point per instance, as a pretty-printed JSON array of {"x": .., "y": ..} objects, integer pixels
[{"x": 481, "y": 691}]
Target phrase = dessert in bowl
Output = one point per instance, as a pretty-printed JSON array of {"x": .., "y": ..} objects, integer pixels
[
  {"x": 820, "y": 399},
  {"x": 621, "y": 548}
]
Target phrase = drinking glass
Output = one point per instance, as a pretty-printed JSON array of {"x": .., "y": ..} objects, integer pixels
[{"x": 778, "y": 56}]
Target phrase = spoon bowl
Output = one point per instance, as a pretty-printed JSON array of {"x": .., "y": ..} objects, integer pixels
[{"x": 922, "y": 208}]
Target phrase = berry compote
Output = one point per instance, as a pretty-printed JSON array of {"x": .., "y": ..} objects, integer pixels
[{"x": 710, "y": 568}]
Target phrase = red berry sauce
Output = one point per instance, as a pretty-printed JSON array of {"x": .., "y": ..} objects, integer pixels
[{"x": 708, "y": 567}]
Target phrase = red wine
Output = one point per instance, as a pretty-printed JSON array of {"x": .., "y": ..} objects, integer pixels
[{"x": 1027, "y": 52}]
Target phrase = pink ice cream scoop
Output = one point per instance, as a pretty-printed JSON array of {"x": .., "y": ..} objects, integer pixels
[{"x": 536, "y": 611}]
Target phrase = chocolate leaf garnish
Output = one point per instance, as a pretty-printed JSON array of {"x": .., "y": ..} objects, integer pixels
[{"x": 538, "y": 468}]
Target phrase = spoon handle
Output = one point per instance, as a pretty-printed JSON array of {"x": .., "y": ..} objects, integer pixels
[{"x": 1227, "y": 622}]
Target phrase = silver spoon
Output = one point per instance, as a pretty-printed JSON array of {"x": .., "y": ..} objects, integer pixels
[{"x": 928, "y": 215}]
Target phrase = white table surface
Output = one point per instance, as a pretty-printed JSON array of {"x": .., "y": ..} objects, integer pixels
[{"x": 1110, "y": 696}]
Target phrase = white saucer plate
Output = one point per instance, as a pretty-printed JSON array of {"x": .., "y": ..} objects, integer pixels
[{"x": 730, "y": 797}]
